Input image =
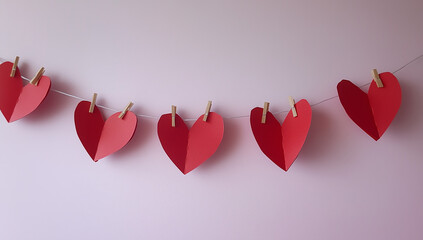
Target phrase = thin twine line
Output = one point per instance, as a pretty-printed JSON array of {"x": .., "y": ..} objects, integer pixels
[
  {"x": 235, "y": 117},
  {"x": 367, "y": 84}
]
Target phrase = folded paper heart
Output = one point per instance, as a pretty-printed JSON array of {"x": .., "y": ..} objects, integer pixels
[
  {"x": 101, "y": 138},
  {"x": 282, "y": 144},
  {"x": 373, "y": 112},
  {"x": 16, "y": 100},
  {"x": 188, "y": 149}
]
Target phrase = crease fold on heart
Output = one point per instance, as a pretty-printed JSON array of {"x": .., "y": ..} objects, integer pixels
[
  {"x": 282, "y": 143},
  {"x": 101, "y": 138},
  {"x": 374, "y": 111},
  {"x": 189, "y": 148},
  {"x": 17, "y": 100}
]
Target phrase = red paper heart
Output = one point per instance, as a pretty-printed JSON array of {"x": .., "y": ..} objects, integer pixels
[
  {"x": 17, "y": 101},
  {"x": 282, "y": 144},
  {"x": 372, "y": 112},
  {"x": 101, "y": 138},
  {"x": 188, "y": 149}
]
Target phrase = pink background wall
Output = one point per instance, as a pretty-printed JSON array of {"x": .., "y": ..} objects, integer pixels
[{"x": 344, "y": 185}]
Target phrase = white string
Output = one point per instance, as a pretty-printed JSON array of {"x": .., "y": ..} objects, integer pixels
[
  {"x": 235, "y": 117},
  {"x": 364, "y": 85}
]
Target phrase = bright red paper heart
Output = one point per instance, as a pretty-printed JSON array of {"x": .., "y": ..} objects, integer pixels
[
  {"x": 17, "y": 101},
  {"x": 372, "y": 112},
  {"x": 282, "y": 144},
  {"x": 101, "y": 138},
  {"x": 188, "y": 149}
]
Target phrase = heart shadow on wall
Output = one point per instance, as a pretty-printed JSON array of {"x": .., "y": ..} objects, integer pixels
[
  {"x": 322, "y": 134},
  {"x": 408, "y": 117}
]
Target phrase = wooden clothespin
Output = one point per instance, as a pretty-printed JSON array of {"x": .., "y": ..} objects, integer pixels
[
  {"x": 127, "y": 108},
  {"x": 37, "y": 77},
  {"x": 265, "y": 109},
  {"x": 15, "y": 65},
  {"x": 206, "y": 114},
  {"x": 292, "y": 104},
  {"x": 377, "y": 79},
  {"x": 173, "y": 116},
  {"x": 93, "y": 103}
]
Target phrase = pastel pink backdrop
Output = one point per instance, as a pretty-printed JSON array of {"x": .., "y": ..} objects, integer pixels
[{"x": 343, "y": 185}]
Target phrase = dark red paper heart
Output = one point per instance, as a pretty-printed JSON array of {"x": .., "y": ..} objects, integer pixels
[
  {"x": 188, "y": 149},
  {"x": 101, "y": 138},
  {"x": 282, "y": 144},
  {"x": 17, "y": 101},
  {"x": 372, "y": 112}
]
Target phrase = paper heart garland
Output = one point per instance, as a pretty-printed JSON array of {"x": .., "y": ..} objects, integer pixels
[
  {"x": 188, "y": 149},
  {"x": 101, "y": 138},
  {"x": 282, "y": 144},
  {"x": 16, "y": 100},
  {"x": 373, "y": 112}
]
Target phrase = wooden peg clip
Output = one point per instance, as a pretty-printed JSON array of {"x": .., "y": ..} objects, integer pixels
[
  {"x": 93, "y": 103},
  {"x": 127, "y": 108},
  {"x": 377, "y": 79},
  {"x": 292, "y": 104},
  {"x": 265, "y": 109},
  {"x": 15, "y": 65},
  {"x": 37, "y": 77},
  {"x": 173, "y": 116},
  {"x": 206, "y": 114}
]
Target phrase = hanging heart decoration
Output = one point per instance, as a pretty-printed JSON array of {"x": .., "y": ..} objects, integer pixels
[
  {"x": 282, "y": 144},
  {"x": 373, "y": 112},
  {"x": 188, "y": 149},
  {"x": 16, "y": 100},
  {"x": 101, "y": 138}
]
